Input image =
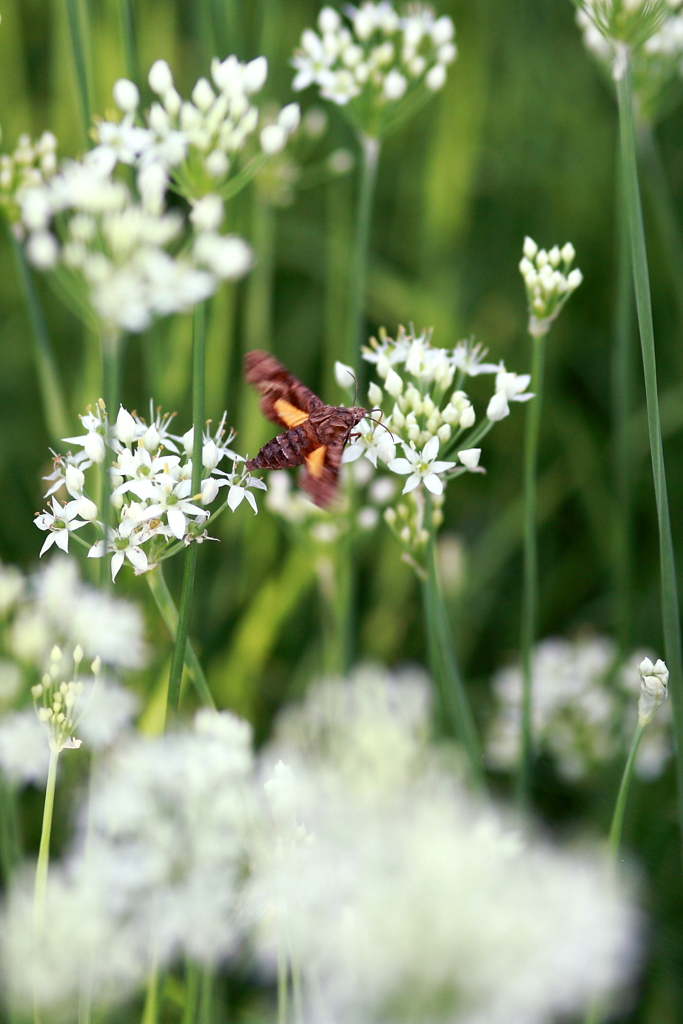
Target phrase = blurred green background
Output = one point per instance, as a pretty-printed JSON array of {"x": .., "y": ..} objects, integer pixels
[{"x": 521, "y": 141}]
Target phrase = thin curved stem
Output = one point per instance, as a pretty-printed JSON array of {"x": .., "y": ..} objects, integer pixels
[
  {"x": 370, "y": 148},
  {"x": 169, "y": 613},
  {"x": 641, "y": 280},
  {"x": 530, "y": 578},
  {"x": 455, "y": 706},
  {"x": 187, "y": 594}
]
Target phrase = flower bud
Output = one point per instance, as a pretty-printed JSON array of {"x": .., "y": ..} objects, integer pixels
[
  {"x": 75, "y": 479},
  {"x": 289, "y": 117},
  {"x": 87, "y": 509},
  {"x": 160, "y": 78},
  {"x": 375, "y": 394},
  {"x": 435, "y": 78},
  {"x": 498, "y": 407},
  {"x": 470, "y": 458},
  {"x": 94, "y": 446},
  {"x": 126, "y": 95},
  {"x": 126, "y": 427},
  {"x": 151, "y": 439},
  {"x": 273, "y": 138},
  {"x": 444, "y": 433},
  {"x": 530, "y": 248},
  {"x": 467, "y": 417},
  {"x": 654, "y": 683},
  {"x": 203, "y": 95},
  {"x": 393, "y": 384},
  {"x": 210, "y": 456},
  {"x": 568, "y": 252},
  {"x": 344, "y": 375},
  {"x": 209, "y": 490}
]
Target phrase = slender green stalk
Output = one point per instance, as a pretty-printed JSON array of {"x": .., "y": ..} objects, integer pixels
[
  {"x": 666, "y": 216},
  {"x": 187, "y": 594},
  {"x": 206, "y": 1015},
  {"x": 370, "y": 148},
  {"x": 282, "y": 982},
  {"x": 191, "y": 992},
  {"x": 150, "y": 1012},
  {"x": 130, "y": 43},
  {"x": 110, "y": 342},
  {"x": 622, "y": 403},
  {"x": 455, "y": 706},
  {"x": 169, "y": 613},
  {"x": 259, "y": 298},
  {"x": 530, "y": 579},
  {"x": 595, "y": 1011},
  {"x": 40, "y": 888},
  {"x": 669, "y": 593},
  {"x": 76, "y": 31},
  {"x": 49, "y": 383}
]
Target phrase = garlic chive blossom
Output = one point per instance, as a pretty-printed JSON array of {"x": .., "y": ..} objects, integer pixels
[
  {"x": 423, "y": 467},
  {"x": 654, "y": 687},
  {"x": 150, "y": 472},
  {"x": 549, "y": 281},
  {"x": 626, "y": 25},
  {"x": 378, "y": 64}
]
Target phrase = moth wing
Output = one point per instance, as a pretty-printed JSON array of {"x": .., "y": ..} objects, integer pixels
[
  {"x": 284, "y": 399},
  {"x": 321, "y": 478}
]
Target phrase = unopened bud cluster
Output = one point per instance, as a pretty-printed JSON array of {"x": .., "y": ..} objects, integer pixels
[
  {"x": 408, "y": 523},
  {"x": 30, "y": 165},
  {"x": 58, "y": 702},
  {"x": 150, "y": 478},
  {"x": 377, "y": 62},
  {"x": 654, "y": 687},
  {"x": 549, "y": 281}
]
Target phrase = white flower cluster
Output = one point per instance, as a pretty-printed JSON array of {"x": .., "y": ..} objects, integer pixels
[
  {"x": 625, "y": 22},
  {"x": 58, "y": 703},
  {"x": 583, "y": 709},
  {"x": 361, "y": 857},
  {"x": 398, "y": 896},
  {"x": 422, "y": 407},
  {"x": 379, "y": 64},
  {"x": 110, "y": 250},
  {"x": 549, "y": 281},
  {"x": 655, "y": 65},
  {"x": 154, "y": 875},
  {"x": 205, "y": 145},
  {"x": 150, "y": 478}
]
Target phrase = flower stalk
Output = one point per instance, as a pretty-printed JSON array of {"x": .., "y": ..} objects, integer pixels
[
  {"x": 530, "y": 578},
  {"x": 130, "y": 44},
  {"x": 40, "y": 889},
  {"x": 455, "y": 707},
  {"x": 370, "y": 149},
  {"x": 76, "y": 31},
  {"x": 187, "y": 594},
  {"x": 169, "y": 613},
  {"x": 669, "y": 593}
]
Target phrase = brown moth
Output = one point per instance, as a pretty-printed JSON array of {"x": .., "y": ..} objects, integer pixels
[{"x": 315, "y": 433}]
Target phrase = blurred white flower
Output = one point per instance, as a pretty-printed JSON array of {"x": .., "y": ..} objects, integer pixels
[
  {"x": 24, "y": 753},
  {"x": 400, "y": 897}
]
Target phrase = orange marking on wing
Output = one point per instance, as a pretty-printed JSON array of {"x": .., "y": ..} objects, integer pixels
[
  {"x": 288, "y": 413},
  {"x": 316, "y": 461}
]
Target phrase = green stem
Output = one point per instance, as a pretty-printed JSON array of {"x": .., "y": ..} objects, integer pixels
[
  {"x": 665, "y": 214},
  {"x": 49, "y": 383},
  {"x": 622, "y": 402},
  {"x": 191, "y": 992},
  {"x": 669, "y": 593},
  {"x": 530, "y": 578},
  {"x": 130, "y": 44},
  {"x": 74, "y": 15},
  {"x": 455, "y": 706},
  {"x": 40, "y": 890},
  {"x": 110, "y": 346},
  {"x": 282, "y": 987},
  {"x": 150, "y": 1012},
  {"x": 370, "y": 148},
  {"x": 187, "y": 594},
  {"x": 169, "y": 613},
  {"x": 206, "y": 1015},
  {"x": 595, "y": 1011}
]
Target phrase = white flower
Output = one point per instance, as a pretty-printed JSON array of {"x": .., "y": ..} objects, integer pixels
[
  {"x": 654, "y": 687},
  {"x": 375, "y": 442},
  {"x": 470, "y": 459},
  {"x": 108, "y": 711},
  {"x": 423, "y": 468},
  {"x": 60, "y": 522},
  {"x": 510, "y": 387}
]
